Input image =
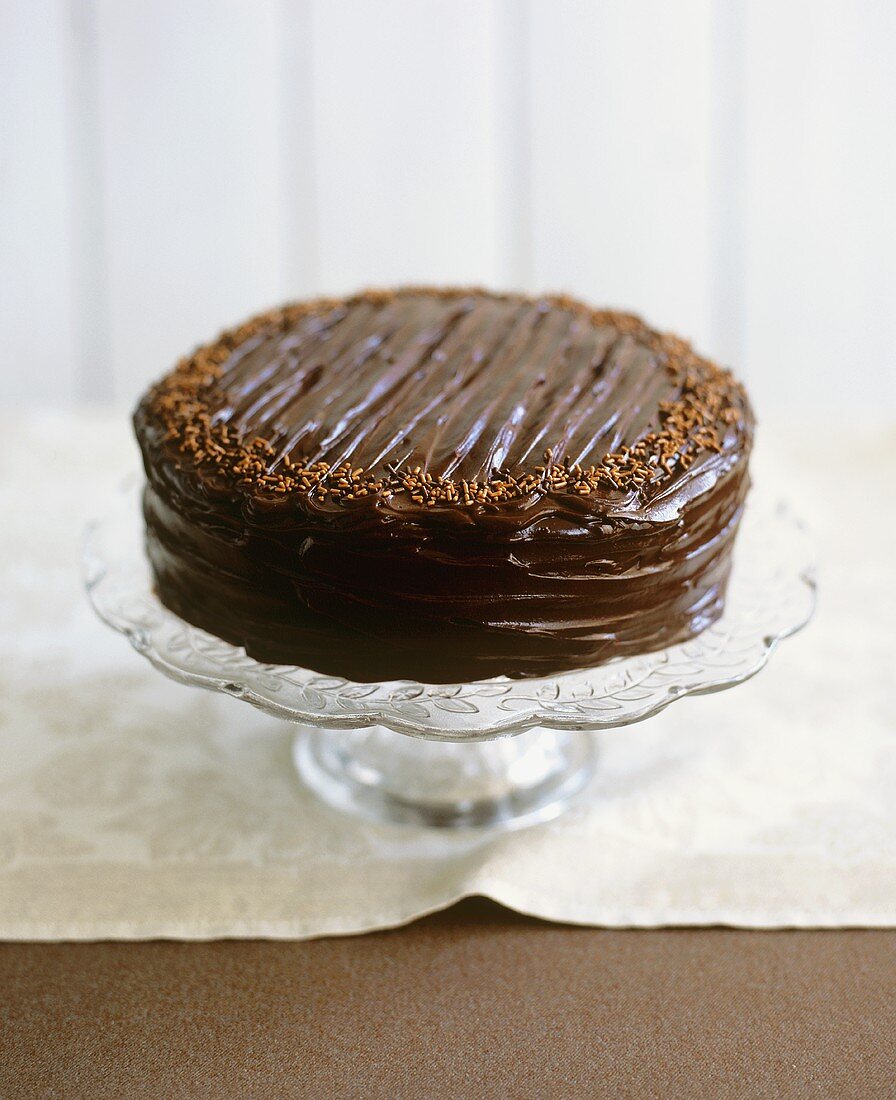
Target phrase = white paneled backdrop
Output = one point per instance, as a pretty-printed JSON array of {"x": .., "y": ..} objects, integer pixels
[{"x": 726, "y": 167}]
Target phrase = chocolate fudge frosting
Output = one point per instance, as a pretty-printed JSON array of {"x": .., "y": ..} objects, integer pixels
[{"x": 444, "y": 485}]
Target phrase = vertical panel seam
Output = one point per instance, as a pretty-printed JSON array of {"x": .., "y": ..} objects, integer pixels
[
  {"x": 513, "y": 72},
  {"x": 299, "y": 200},
  {"x": 89, "y": 260},
  {"x": 728, "y": 182}
]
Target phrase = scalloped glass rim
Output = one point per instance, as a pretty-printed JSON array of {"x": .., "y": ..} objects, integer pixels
[{"x": 771, "y": 596}]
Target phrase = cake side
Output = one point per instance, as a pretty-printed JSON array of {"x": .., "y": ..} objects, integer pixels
[{"x": 444, "y": 485}]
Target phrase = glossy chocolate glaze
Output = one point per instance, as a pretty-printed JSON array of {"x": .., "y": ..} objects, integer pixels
[{"x": 440, "y": 545}]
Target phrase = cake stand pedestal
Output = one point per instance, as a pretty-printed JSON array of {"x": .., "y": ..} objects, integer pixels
[
  {"x": 513, "y": 780},
  {"x": 496, "y": 753}
]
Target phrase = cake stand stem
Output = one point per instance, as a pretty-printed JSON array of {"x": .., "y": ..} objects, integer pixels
[{"x": 390, "y": 777}]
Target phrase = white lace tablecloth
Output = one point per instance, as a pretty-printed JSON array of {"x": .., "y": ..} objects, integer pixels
[{"x": 133, "y": 807}]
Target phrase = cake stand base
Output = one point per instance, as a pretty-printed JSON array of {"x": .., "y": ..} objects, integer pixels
[{"x": 390, "y": 777}]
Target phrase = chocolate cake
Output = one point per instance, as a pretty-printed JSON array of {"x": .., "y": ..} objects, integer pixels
[{"x": 444, "y": 485}]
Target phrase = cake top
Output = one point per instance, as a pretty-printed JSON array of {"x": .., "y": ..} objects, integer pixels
[{"x": 445, "y": 398}]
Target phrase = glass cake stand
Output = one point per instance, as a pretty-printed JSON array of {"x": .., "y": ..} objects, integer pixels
[{"x": 499, "y": 752}]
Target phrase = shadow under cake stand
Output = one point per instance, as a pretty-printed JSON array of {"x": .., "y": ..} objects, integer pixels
[{"x": 500, "y": 753}]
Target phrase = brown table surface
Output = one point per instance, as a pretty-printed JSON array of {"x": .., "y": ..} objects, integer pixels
[{"x": 473, "y": 1002}]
